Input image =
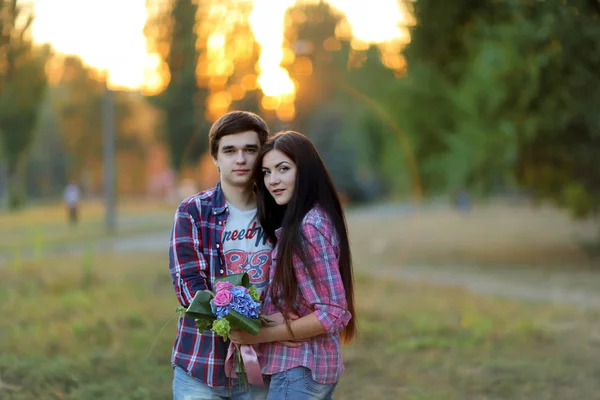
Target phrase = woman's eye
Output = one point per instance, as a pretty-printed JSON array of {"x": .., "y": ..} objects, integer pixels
[
  {"x": 283, "y": 169},
  {"x": 266, "y": 173}
]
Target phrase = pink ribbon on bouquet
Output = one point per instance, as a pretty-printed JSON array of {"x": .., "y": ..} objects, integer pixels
[{"x": 250, "y": 360}]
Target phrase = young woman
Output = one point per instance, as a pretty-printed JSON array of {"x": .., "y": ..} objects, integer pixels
[{"x": 311, "y": 271}]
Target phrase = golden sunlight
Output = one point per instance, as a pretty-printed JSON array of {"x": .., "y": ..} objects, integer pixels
[
  {"x": 268, "y": 24},
  {"x": 375, "y": 21},
  {"x": 107, "y": 35},
  {"x": 381, "y": 22}
]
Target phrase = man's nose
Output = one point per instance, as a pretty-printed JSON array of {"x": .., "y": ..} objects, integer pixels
[{"x": 241, "y": 159}]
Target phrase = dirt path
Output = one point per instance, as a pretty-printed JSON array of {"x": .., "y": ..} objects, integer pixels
[{"x": 515, "y": 251}]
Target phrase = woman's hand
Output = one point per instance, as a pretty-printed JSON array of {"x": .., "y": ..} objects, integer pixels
[{"x": 278, "y": 318}]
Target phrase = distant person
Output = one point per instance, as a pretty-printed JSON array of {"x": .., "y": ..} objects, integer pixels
[
  {"x": 72, "y": 197},
  {"x": 463, "y": 201}
]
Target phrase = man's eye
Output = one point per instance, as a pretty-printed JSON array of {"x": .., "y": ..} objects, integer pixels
[{"x": 251, "y": 151}]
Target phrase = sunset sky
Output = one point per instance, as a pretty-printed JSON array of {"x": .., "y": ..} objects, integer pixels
[
  {"x": 109, "y": 35},
  {"x": 106, "y": 34}
]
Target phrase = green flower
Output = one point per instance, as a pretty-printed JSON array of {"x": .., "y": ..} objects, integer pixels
[
  {"x": 221, "y": 327},
  {"x": 180, "y": 310},
  {"x": 203, "y": 324},
  {"x": 253, "y": 292}
]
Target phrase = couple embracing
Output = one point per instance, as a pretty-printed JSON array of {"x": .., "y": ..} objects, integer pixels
[{"x": 275, "y": 214}]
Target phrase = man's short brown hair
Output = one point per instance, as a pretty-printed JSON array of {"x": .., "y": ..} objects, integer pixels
[{"x": 236, "y": 122}]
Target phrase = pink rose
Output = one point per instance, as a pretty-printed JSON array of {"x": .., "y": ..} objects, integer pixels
[
  {"x": 223, "y": 298},
  {"x": 223, "y": 285}
]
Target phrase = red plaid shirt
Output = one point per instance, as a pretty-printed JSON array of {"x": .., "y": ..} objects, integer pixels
[
  {"x": 195, "y": 260},
  {"x": 321, "y": 292}
]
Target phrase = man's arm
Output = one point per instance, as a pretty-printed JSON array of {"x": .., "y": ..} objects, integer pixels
[{"x": 187, "y": 265}]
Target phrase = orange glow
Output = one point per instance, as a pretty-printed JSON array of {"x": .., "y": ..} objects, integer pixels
[
  {"x": 227, "y": 37},
  {"x": 303, "y": 66},
  {"x": 268, "y": 24},
  {"x": 107, "y": 35}
]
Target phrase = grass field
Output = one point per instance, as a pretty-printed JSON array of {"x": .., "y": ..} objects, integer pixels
[
  {"x": 92, "y": 327},
  {"x": 45, "y": 227}
]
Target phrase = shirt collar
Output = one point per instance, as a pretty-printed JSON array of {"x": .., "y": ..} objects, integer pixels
[{"x": 218, "y": 203}]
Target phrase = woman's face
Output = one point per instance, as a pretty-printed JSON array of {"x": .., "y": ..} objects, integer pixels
[{"x": 279, "y": 174}]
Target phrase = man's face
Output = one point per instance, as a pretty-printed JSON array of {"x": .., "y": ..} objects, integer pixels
[{"x": 236, "y": 157}]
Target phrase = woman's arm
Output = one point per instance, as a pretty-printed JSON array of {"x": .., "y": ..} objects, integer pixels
[
  {"x": 301, "y": 328},
  {"x": 322, "y": 290}
]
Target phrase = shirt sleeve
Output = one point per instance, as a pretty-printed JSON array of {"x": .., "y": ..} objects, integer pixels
[
  {"x": 186, "y": 262},
  {"x": 321, "y": 286}
]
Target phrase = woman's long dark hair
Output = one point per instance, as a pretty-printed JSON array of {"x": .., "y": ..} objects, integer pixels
[{"x": 313, "y": 187}]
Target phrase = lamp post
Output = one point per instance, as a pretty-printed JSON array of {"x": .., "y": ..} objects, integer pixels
[{"x": 108, "y": 133}]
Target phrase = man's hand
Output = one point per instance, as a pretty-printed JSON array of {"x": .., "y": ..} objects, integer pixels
[
  {"x": 278, "y": 319},
  {"x": 239, "y": 336}
]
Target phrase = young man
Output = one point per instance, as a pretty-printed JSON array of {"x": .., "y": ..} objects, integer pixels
[{"x": 216, "y": 233}]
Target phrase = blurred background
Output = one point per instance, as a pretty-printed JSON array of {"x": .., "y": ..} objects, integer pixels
[{"x": 463, "y": 136}]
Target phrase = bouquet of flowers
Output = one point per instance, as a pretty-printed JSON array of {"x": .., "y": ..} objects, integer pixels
[{"x": 234, "y": 304}]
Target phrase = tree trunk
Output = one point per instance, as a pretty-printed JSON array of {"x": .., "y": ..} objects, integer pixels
[
  {"x": 16, "y": 186},
  {"x": 3, "y": 184}
]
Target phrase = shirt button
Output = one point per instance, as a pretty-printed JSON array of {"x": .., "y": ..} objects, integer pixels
[
  {"x": 220, "y": 223},
  {"x": 218, "y": 245},
  {"x": 221, "y": 271}
]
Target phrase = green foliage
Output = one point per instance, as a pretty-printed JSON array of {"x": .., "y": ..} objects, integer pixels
[
  {"x": 253, "y": 292},
  {"x": 506, "y": 93},
  {"x": 174, "y": 28},
  {"x": 22, "y": 86}
]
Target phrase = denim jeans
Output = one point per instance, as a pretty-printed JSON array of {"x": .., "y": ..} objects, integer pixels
[
  {"x": 298, "y": 384},
  {"x": 187, "y": 388}
]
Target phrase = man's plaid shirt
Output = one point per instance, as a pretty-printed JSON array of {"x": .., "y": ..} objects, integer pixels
[{"x": 195, "y": 260}]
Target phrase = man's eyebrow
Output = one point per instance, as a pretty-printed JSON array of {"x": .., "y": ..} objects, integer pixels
[{"x": 246, "y": 146}]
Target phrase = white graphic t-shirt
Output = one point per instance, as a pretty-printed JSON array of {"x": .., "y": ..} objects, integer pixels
[{"x": 246, "y": 247}]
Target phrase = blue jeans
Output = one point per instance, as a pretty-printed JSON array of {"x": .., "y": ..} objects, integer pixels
[
  {"x": 187, "y": 388},
  {"x": 298, "y": 384}
]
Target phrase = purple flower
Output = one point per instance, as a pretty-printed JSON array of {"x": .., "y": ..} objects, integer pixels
[
  {"x": 245, "y": 305},
  {"x": 238, "y": 291}
]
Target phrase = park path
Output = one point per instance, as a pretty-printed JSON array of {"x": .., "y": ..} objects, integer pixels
[{"x": 569, "y": 287}]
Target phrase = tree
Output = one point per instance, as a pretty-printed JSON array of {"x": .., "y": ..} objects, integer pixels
[
  {"x": 22, "y": 86},
  {"x": 77, "y": 103},
  {"x": 171, "y": 31},
  {"x": 506, "y": 94}
]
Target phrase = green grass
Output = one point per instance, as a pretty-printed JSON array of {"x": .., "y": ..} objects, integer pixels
[
  {"x": 91, "y": 327},
  {"x": 42, "y": 228}
]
